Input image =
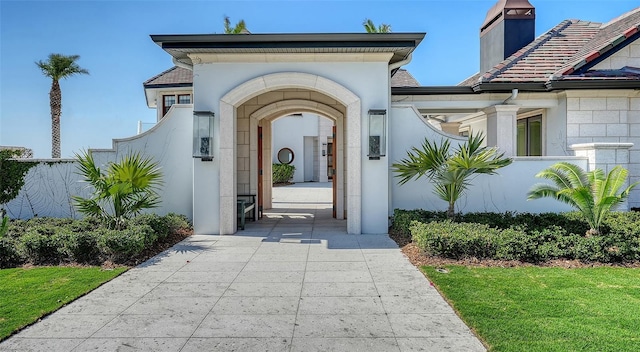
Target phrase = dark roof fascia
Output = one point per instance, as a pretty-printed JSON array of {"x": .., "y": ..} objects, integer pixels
[
  {"x": 593, "y": 84},
  {"x": 607, "y": 54},
  {"x": 432, "y": 90},
  {"x": 293, "y": 40},
  {"x": 506, "y": 87},
  {"x": 168, "y": 85}
]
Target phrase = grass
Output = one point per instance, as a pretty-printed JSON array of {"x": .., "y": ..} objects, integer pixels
[
  {"x": 28, "y": 294},
  {"x": 546, "y": 309}
]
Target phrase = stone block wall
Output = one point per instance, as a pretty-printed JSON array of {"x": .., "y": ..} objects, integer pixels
[{"x": 608, "y": 117}]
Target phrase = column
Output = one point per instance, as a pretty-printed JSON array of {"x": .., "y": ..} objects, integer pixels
[{"x": 501, "y": 127}]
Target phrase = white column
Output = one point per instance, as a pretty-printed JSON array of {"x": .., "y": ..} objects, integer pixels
[{"x": 501, "y": 127}]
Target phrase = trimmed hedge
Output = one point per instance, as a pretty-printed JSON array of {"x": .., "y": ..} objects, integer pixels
[
  {"x": 524, "y": 237},
  {"x": 283, "y": 173},
  {"x": 50, "y": 241}
]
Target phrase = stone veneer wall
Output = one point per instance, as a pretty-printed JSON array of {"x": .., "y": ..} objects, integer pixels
[{"x": 607, "y": 117}]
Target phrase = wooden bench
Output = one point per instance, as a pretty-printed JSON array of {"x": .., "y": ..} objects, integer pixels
[{"x": 246, "y": 205}]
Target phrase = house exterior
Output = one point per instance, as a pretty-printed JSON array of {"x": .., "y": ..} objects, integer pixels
[{"x": 233, "y": 102}]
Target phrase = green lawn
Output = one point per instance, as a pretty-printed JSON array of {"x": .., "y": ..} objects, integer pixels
[
  {"x": 547, "y": 309},
  {"x": 27, "y": 294}
]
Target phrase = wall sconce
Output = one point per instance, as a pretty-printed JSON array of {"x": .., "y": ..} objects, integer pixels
[
  {"x": 377, "y": 133},
  {"x": 324, "y": 149},
  {"x": 203, "y": 135}
]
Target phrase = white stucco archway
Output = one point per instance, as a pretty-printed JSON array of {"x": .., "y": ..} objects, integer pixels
[
  {"x": 288, "y": 80},
  {"x": 283, "y": 108}
]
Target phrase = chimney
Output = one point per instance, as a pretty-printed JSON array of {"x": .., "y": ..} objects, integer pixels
[{"x": 510, "y": 25}]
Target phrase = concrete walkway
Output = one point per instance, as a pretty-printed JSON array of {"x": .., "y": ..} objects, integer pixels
[{"x": 293, "y": 281}]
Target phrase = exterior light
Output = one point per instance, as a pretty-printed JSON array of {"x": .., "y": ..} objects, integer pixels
[
  {"x": 377, "y": 133},
  {"x": 203, "y": 135}
]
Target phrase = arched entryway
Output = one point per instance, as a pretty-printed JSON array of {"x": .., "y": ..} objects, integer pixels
[{"x": 271, "y": 96}]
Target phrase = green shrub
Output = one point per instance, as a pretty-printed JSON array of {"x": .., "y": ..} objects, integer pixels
[
  {"x": 80, "y": 247},
  {"x": 157, "y": 223},
  {"x": 119, "y": 246},
  {"x": 455, "y": 240},
  {"x": 534, "y": 246},
  {"x": 40, "y": 248},
  {"x": 401, "y": 220},
  {"x": 177, "y": 222},
  {"x": 9, "y": 254},
  {"x": 282, "y": 173}
]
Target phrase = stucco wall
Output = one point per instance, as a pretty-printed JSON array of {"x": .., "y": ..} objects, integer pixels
[
  {"x": 289, "y": 132},
  {"x": 503, "y": 192},
  {"x": 49, "y": 186},
  {"x": 47, "y": 191},
  {"x": 363, "y": 78}
]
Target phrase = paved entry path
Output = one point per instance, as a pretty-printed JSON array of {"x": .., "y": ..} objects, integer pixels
[{"x": 290, "y": 282}]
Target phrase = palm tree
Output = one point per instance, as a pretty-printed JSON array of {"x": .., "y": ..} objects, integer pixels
[
  {"x": 452, "y": 172},
  {"x": 123, "y": 191},
  {"x": 57, "y": 67},
  {"x": 239, "y": 28},
  {"x": 592, "y": 193},
  {"x": 370, "y": 27}
]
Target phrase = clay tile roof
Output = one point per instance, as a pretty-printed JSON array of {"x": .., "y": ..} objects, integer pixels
[
  {"x": 175, "y": 76},
  {"x": 561, "y": 52},
  {"x": 402, "y": 78}
]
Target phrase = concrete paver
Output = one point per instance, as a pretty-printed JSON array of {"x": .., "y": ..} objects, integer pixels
[{"x": 283, "y": 287}]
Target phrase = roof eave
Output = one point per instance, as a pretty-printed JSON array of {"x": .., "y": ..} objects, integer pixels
[
  {"x": 593, "y": 84},
  {"x": 432, "y": 90}
]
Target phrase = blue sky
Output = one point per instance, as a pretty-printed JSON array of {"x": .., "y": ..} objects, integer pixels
[{"x": 112, "y": 39}]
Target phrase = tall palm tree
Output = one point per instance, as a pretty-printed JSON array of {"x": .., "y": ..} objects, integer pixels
[
  {"x": 451, "y": 172},
  {"x": 370, "y": 27},
  {"x": 239, "y": 28},
  {"x": 593, "y": 193},
  {"x": 57, "y": 67}
]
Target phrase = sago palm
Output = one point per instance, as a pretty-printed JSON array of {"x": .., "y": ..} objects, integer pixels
[
  {"x": 57, "y": 67},
  {"x": 123, "y": 191},
  {"x": 451, "y": 171},
  {"x": 592, "y": 193}
]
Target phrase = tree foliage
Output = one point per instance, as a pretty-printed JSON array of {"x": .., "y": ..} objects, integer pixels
[
  {"x": 593, "y": 193},
  {"x": 370, "y": 27},
  {"x": 239, "y": 27},
  {"x": 12, "y": 174},
  {"x": 122, "y": 191},
  {"x": 451, "y": 170},
  {"x": 57, "y": 67}
]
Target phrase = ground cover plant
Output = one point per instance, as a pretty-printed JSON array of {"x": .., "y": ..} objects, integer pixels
[
  {"x": 28, "y": 294},
  {"x": 546, "y": 309}
]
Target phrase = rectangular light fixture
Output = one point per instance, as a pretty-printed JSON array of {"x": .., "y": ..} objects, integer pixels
[
  {"x": 377, "y": 133},
  {"x": 203, "y": 135}
]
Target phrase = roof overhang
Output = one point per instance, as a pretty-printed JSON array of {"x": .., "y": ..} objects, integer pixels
[{"x": 401, "y": 45}]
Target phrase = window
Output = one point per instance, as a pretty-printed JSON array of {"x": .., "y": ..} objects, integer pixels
[
  {"x": 168, "y": 100},
  {"x": 530, "y": 136},
  {"x": 184, "y": 99}
]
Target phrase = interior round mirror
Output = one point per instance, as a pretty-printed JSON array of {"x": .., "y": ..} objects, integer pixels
[{"x": 285, "y": 156}]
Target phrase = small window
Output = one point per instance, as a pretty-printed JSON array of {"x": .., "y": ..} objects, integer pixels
[
  {"x": 529, "y": 138},
  {"x": 167, "y": 101},
  {"x": 184, "y": 99}
]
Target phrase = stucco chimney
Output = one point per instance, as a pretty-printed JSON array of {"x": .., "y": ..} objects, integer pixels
[{"x": 509, "y": 26}]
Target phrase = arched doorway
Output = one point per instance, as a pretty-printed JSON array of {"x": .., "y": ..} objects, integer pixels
[{"x": 268, "y": 97}]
